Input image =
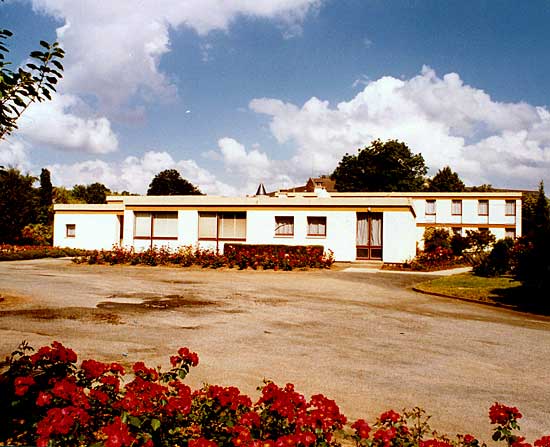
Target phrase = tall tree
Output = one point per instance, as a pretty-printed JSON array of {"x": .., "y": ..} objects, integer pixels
[
  {"x": 45, "y": 198},
  {"x": 34, "y": 82},
  {"x": 170, "y": 183},
  {"x": 446, "y": 180},
  {"x": 17, "y": 204},
  {"x": 388, "y": 166},
  {"x": 93, "y": 193}
]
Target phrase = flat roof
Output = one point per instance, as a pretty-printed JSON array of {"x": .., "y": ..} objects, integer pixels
[{"x": 76, "y": 207}]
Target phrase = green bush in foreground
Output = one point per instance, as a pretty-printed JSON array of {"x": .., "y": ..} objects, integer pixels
[
  {"x": 47, "y": 400},
  {"x": 22, "y": 252}
]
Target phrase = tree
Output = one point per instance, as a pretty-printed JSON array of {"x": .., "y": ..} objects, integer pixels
[
  {"x": 45, "y": 198},
  {"x": 389, "y": 166},
  {"x": 17, "y": 202},
  {"x": 170, "y": 183},
  {"x": 533, "y": 251},
  {"x": 445, "y": 180},
  {"x": 35, "y": 82},
  {"x": 93, "y": 193}
]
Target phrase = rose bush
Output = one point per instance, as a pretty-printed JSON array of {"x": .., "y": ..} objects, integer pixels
[
  {"x": 276, "y": 257},
  {"x": 47, "y": 400}
]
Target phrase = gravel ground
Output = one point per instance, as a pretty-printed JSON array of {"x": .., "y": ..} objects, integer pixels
[{"x": 364, "y": 339}]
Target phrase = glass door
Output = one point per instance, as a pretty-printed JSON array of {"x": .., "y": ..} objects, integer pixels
[{"x": 369, "y": 236}]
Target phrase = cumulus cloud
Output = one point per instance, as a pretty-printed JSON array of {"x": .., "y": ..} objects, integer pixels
[
  {"x": 114, "y": 48},
  {"x": 441, "y": 117},
  {"x": 57, "y": 124},
  {"x": 134, "y": 174},
  {"x": 250, "y": 168},
  {"x": 13, "y": 153}
]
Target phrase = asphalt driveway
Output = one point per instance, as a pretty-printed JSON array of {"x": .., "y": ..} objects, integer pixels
[{"x": 364, "y": 339}]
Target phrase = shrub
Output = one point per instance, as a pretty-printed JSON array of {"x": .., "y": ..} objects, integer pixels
[
  {"x": 37, "y": 234},
  {"x": 276, "y": 257},
  {"x": 480, "y": 240},
  {"x": 49, "y": 401},
  {"x": 436, "y": 238},
  {"x": 22, "y": 252},
  {"x": 459, "y": 243},
  {"x": 497, "y": 262}
]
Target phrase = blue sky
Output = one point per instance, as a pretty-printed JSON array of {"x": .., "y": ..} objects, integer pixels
[{"x": 234, "y": 93}]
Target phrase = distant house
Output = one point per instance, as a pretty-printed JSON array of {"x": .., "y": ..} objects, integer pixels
[
  {"x": 355, "y": 226},
  {"x": 313, "y": 183}
]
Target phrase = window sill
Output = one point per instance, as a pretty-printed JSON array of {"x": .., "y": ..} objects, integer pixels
[
  {"x": 287, "y": 236},
  {"x": 316, "y": 236},
  {"x": 156, "y": 238}
]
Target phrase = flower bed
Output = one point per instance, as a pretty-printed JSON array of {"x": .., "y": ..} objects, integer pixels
[
  {"x": 50, "y": 401},
  {"x": 276, "y": 257},
  {"x": 21, "y": 252}
]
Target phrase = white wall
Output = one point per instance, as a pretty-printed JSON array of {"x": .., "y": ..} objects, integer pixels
[
  {"x": 340, "y": 230},
  {"x": 399, "y": 236},
  {"x": 92, "y": 230}
]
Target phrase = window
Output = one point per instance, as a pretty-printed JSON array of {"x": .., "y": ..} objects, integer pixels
[
  {"x": 229, "y": 226},
  {"x": 510, "y": 232},
  {"x": 456, "y": 207},
  {"x": 430, "y": 207},
  {"x": 156, "y": 225},
  {"x": 483, "y": 207},
  {"x": 510, "y": 209},
  {"x": 284, "y": 225},
  {"x": 316, "y": 226},
  {"x": 70, "y": 230}
]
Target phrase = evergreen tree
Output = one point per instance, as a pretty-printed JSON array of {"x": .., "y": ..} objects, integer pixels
[
  {"x": 45, "y": 198},
  {"x": 17, "y": 204}
]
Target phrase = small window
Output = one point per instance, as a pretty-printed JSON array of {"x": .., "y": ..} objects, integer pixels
[
  {"x": 430, "y": 207},
  {"x": 142, "y": 225},
  {"x": 284, "y": 225},
  {"x": 510, "y": 208},
  {"x": 483, "y": 207},
  {"x": 510, "y": 232},
  {"x": 70, "y": 230},
  {"x": 232, "y": 225},
  {"x": 316, "y": 226},
  {"x": 456, "y": 207},
  {"x": 165, "y": 225},
  {"x": 207, "y": 225}
]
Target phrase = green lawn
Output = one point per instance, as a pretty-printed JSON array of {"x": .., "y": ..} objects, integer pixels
[{"x": 466, "y": 285}]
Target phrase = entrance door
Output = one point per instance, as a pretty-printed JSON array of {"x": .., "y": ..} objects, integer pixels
[{"x": 369, "y": 236}]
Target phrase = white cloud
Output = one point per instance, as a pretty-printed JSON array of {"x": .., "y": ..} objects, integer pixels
[
  {"x": 56, "y": 124},
  {"x": 13, "y": 153},
  {"x": 447, "y": 121},
  {"x": 114, "y": 48},
  {"x": 134, "y": 174}
]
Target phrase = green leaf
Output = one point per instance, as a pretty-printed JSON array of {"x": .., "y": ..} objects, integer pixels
[
  {"x": 32, "y": 66},
  {"x": 52, "y": 79},
  {"x": 6, "y": 32},
  {"x": 37, "y": 54},
  {"x": 134, "y": 421},
  {"x": 45, "y": 44},
  {"x": 58, "y": 64},
  {"x": 155, "y": 424}
]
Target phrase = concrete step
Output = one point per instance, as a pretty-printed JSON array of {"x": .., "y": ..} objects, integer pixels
[{"x": 367, "y": 264}]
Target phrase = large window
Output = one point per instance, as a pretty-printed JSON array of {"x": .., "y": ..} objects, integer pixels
[
  {"x": 483, "y": 207},
  {"x": 430, "y": 207},
  {"x": 284, "y": 225},
  {"x": 316, "y": 226},
  {"x": 228, "y": 226},
  {"x": 162, "y": 225},
  {"x": 456, "y": 207},
  {"x": 510, "y": 208}
]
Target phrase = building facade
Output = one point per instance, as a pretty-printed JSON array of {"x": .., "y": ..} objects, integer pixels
[{"x": 355, "y": 226}]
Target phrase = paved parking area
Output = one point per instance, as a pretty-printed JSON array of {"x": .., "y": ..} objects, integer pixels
[{"x": 364, "y": 339}]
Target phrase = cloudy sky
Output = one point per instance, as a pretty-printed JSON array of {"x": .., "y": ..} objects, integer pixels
[{"x": 236, "y": 92}]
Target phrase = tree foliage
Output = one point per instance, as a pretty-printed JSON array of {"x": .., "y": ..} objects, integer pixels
[
  {"x": 45, "y": 198},
  {"x": 17, "y": 202},
  {"x": 382, "y": 166},
  {"x": 93, "y": 193},
  {"x": 170, "y": 183},
  {"x": 446, "y": 180},
  {"x": 25, "y": 85}
]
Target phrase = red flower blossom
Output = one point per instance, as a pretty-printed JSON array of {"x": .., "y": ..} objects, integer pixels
[
  {"x": 93, "y": 369},
  {"x": 361, "y": 428},
  {"x": 43, "y": 399},
  {"x": 22, "y": 385},
  {"x": 187, "y": 355},
  {"x": 118, "y": 434},
  {"x": 543, "y": 442},
  {"x": 435, "y": 443},
  {"x": 390, "y": 416},
  {"x": 202, "y": 442},
  {"x": 142, "y": 371},
  {"x": 468, "y": 439},
  {"x": 502, "y": 415}
]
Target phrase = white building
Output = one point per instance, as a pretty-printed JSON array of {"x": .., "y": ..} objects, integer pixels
[{"x": 355, "y": 226}]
